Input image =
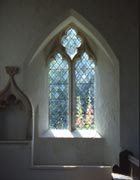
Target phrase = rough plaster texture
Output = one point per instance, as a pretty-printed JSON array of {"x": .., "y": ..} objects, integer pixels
[
  {"x": 69, "y": 151},
  {"x": 15, "y": 165},
  {"x": 23, "y": 26},
  {"x": 107, "y": 106}
]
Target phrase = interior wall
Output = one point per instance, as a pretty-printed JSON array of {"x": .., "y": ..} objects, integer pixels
[
  {"x": 23, "y": 26},
  {"x": 107, "y": 106},
  {"x": 13, "y": 169}
]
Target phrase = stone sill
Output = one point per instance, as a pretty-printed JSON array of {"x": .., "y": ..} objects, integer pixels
[
  {"x": 68, "y": 167},
  {"x": 53, "y": 133}
]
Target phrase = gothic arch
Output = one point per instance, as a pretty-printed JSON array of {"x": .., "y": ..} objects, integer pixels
[
  {"x": 107, "y": 82},
  {"x": 75, "y": 18}
]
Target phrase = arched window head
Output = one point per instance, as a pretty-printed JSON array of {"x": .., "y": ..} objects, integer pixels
[{"x": 71, "y": 82}]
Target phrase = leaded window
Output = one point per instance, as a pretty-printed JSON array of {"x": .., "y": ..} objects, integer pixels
[
  {"x": 58, "y": 93},
  {"x": 71, "y": 82}
]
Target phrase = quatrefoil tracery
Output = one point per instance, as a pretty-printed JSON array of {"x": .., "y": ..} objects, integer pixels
[{"x": 71, "y": 41}]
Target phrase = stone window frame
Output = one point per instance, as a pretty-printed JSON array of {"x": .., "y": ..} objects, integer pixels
[{"x": 53, "y": 47}]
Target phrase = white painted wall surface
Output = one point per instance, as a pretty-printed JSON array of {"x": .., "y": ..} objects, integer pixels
[{"x": 24, "y": 25}]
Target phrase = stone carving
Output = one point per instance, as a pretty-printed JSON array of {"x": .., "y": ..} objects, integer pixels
[{"x": 15, "y": 111}]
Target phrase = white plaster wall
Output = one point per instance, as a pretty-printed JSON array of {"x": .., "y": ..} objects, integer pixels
[
  {"x": 107, "y": 106},
  {"x": 23, "y": 26},
  {"x": 69, "y": 152},
  {"x": 15, "y": 165},
  {"x": 35, "y": 86}
]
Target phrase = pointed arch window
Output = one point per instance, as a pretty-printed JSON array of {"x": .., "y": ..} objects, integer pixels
[{"x": 71, "y": 82}]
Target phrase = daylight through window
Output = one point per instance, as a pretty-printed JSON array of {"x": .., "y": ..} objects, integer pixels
[{"x": 71, "y": 82}]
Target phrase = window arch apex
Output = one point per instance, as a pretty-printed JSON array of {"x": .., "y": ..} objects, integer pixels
[{"x": 71, "y": 42}]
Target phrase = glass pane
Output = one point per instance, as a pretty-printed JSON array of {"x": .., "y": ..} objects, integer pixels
[
  {"x": 58, "y": 93},
  {"x": 71, "y": 42},
  {"x": 84, "y": 92}
]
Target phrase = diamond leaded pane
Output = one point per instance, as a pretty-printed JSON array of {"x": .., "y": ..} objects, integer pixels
[
  {"x": 71, "y": 41},
  {"x": 58, "y": 93},
  {"x": 84, "y": 92}
]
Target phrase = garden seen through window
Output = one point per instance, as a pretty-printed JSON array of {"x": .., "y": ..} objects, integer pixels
[{"x": 71, "y": 82}]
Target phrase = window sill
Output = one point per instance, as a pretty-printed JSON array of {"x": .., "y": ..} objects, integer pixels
[
  {"x": 53, "y": 133},
  {"x": 69, "y": 167}
]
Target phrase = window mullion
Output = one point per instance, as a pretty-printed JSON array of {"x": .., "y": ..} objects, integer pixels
[{"x": 72, "y": 95}]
